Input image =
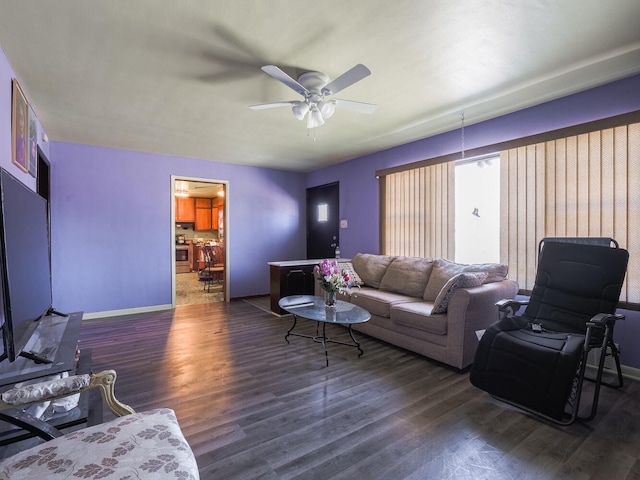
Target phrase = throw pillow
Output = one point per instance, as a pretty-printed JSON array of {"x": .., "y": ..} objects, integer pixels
[
  {"x": 407, "y": 275},
  {"x": 443, "y": 270},
  {"x": 356, "y": 281},
  {"x": 496, "y": 272},
  {"x": 371, "y": 268},
  {"x": 461, "y": 280}
]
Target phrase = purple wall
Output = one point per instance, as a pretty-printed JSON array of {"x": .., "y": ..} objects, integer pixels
[
  {"x": 111, "y": 225},
  {"x": 359, "y": 198},
  {"x": 359, "y": 187}
]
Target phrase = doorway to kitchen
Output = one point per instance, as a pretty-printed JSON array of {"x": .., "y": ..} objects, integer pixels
[{"x": 199, "y": 240}]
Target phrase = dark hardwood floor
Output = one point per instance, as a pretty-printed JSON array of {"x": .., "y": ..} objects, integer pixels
[{"x": 253, "y": 407}]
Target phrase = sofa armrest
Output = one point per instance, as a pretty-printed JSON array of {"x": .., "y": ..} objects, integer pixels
[{"x": 472, "y": 310}]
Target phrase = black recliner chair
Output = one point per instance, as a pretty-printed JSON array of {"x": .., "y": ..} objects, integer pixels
[{"x": 537, "y": 360}]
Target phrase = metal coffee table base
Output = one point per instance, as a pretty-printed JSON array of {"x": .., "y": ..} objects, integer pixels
[{"x": 323, "y": 339}]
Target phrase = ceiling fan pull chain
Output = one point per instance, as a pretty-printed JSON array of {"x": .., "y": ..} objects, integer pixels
[{"x": 462, "y": 132}]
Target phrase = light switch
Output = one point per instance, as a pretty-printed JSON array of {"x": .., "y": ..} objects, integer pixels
[{"x": 344, "y": 224}]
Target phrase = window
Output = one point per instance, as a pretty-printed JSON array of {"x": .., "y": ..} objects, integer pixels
[
  {"x": 583, "y": 184},
  {"x": 323, "y": 212},
  {"x": 580, "y": 186},
  {"x": 477, "y": 210},
  {"x": 418, "y": 212}
]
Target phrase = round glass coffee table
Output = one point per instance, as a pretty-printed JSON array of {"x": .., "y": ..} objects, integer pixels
[{"x": 314, "y": 308}]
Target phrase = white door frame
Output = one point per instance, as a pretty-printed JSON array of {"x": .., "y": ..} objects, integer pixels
[{"x": 175, "y": 178}]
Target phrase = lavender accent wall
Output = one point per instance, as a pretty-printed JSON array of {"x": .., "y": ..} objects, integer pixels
[
  {"x": 359, "y": 187},
  {"x": 111, "y": 225},
  {"x": 359, "y": 198}
]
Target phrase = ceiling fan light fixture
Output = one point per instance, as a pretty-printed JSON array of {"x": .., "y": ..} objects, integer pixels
[
  {"x": 315, "y": 119},
  {"x": 327, "y": 108},
  {"x": 315, "y": 87},
  {"x": 300, "y": 110}
]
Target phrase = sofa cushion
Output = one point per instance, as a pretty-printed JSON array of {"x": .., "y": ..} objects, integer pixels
[
  {"x": 354, "y": 278},
  {"x": 378, "y": 302},
  {"x": 462, "y": 280},
  {"x": 444, "y": 270},
  {"x": 407, "y": 275},
  {"x": 418, "y": 315},
  {"x": 371, "y": 268},
  {"x": 147, "y": 445}
]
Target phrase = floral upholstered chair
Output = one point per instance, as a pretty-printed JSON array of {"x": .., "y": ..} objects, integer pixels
[{"x": 147, "y": 445}]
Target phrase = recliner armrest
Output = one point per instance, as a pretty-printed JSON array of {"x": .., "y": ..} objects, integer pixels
[
  {"x": 602, "y": 319},
  {"x": 509, "y": 306}
]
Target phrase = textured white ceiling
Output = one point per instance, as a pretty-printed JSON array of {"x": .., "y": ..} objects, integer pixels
[{"x": 177, "y": 77}]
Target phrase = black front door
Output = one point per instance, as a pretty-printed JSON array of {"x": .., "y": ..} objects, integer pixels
[{"x": 322, "y": 220}]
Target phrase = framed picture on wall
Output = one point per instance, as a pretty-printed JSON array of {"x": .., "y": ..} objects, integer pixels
[
  {"x": 19, "y": 126},
  {"x": 32, "y": 143}
]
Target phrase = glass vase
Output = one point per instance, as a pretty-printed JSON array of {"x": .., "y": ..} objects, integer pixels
[{"x": 330, "y": 299}]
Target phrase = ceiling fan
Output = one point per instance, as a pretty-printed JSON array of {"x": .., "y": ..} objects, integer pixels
[{"x": 316, "y": 88}]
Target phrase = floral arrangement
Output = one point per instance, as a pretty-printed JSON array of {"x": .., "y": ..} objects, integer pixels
[{"x": 330, "y": 277}]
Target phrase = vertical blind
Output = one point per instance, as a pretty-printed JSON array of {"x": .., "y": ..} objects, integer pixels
[
  {"x": 586, "y": 185},
  {"x": 582, "y": 185},
  {"x": 419, "y": 212}
]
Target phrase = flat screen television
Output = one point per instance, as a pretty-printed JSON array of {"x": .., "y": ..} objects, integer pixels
[{"x": 25, "y": 268}]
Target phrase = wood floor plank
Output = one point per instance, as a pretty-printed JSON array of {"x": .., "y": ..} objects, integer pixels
[{"x": 253, "y": 406}]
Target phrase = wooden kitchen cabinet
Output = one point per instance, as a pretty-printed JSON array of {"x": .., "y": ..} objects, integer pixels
[
  {"x": 185, "y": 209},
  {"x": 217, "y": 205},
  {"x": 203, "y": 214},
  {"x": 207, "y": 213}
]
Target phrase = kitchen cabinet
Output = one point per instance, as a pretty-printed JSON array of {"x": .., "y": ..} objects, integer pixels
[
  {"x": 207, "y": 213},
  {"x": 203, "y": 214},
  {"x": 290, "y": 278},
  {"x": 185, "y": 209},
  {"x": 217, "y": 206}
]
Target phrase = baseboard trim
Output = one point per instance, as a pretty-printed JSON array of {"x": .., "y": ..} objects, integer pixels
[
  {"x": 629, "y": 373},
  {"x": 126, "y": 311}
]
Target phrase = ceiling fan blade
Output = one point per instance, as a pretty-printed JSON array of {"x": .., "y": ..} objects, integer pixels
[
  {"x": 278, "y": 74},
  {"x": 347, "y": 79},
  {"x": 263, "y": 106},
  {"x": 359, "y": 107}
]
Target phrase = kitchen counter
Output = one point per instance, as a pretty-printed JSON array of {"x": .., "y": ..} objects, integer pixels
[
  {"x": 292, "y": 277},
  {"x": 292, "y": 263}
]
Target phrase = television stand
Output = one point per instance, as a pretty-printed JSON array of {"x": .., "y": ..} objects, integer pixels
[
  {"x": 87, "y": 412},
  {"x": 59, "y": 333},
  {"x": 55, "y": 340}
]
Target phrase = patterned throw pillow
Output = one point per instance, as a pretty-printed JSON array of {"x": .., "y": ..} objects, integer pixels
[
  {"x": 356, "y": 281},
  {"x": 444, "y": 270},
  {"x": 461, "y": 280}
]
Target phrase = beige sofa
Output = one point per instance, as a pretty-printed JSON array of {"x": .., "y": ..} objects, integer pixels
[{"x": 433, "y": 307}]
